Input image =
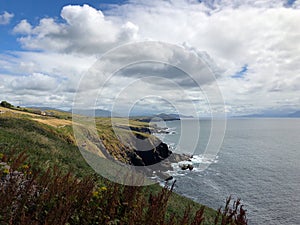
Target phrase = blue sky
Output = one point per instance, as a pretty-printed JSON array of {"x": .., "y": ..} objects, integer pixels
[
  {"x": 33, "y": 11},
  {"x": 290, "y": 3},
  {"x": 241, "y": 73},
  {"x": 46, "y": 46}
]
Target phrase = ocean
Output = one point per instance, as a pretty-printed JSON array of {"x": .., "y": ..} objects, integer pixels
[{"x": 259, "y": 162}]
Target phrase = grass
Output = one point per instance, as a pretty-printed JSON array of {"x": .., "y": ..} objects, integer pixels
[
  {"x": 48, "y": 147},
  {"x": 52, "y": 197}
]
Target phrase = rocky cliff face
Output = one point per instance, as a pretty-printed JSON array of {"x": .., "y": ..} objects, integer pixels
[
  {"x": 133, "y": 144},
  {"x": 143, "y": 149},
  {"x": 155, "y": 155},
  {"x": 157, "y": 159}
]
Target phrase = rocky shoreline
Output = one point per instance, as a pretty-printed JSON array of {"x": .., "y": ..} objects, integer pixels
[
  {"x": 165, "y": 157},
  {"x": 140, "y": 147}
]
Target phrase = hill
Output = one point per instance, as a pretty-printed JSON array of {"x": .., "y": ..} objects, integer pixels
[
  {"x": 38, "y": 155},
  {"x": 273, "y": 114},
  {"x": 48, "y": 142},
  {"x": 127, "y": 150},
  {"x": 96, "y": 112},
  {"x": 295, "y": 114},
  {"x": 161, "y": 116}
]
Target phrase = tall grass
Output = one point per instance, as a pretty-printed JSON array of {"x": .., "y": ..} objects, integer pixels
[
  {"x": 28, "y": 196},
  {"x": 37, "y": 188}
]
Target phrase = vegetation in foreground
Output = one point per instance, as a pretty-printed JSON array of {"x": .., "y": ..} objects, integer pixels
[
  {"x": 34, "y": 197},
  {"x": 34, "y": 191}
]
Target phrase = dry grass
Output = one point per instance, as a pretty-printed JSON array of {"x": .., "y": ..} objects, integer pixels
[
  {"x": 53, "y": 122},
  {"x": 48, "y": 120},
  {"x": 16, "y": 112}
]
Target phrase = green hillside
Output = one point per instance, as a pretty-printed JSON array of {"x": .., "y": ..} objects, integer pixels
[{"x": 48, "y": 142}]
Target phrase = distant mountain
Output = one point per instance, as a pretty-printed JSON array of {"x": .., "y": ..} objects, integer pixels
[
  {"x": 295, "y": 114},
  {"x": 96, "y": 112},
  {"x": 262, "y": 116},
  {"x": 45, "y": 108},
  {"x": 172, "y": 116},
  {"x": 274, "y": 115},
  {"x": 166, "y": 117},
  {"x": 161, "y": 116},
  {"x": 102, "y": 113}
]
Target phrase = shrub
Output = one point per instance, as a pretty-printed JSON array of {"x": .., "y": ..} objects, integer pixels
[
  {"x": 51, "y": 197},
  {"x": 6, "y": 104}
]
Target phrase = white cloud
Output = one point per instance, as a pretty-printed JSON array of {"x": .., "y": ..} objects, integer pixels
[
  {"x": 86, "y": 30},
  {"x": 296, "y": 4},
  {"x": 5, "y": 18},
  {"x": 262, "y": 34},
  {"x": 35, "y": 82},
  {"x": 23, "y": 28},
  {"x": 33, "y": 74}
]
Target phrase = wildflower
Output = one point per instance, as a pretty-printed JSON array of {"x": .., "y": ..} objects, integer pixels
[
  {"x": 103, "y": 188},
  {"x": 96, "y": 194},
  {"x": 6, "y": 171},
  {"x": 25, "y": 167}
]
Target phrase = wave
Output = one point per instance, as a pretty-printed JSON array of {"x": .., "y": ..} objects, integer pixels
[
  {"x": 197, "y": 161},
  {"x": 171, "y": 130},
  {"x": 165, "y": 131}
]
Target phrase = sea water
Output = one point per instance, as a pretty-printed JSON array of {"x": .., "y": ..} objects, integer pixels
[{"x": 259, "y": 162}]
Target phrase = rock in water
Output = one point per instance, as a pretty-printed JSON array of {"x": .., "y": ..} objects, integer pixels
[
  {"x": 186, "y": 166},
  {"x": 169, "y": 178},
  {"x": 190, "y": 167}
]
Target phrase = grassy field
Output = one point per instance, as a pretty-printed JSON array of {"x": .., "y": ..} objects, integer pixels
[{"x": 49, "y": 142}]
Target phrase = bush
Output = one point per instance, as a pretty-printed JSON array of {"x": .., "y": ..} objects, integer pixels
[
  {"x": 6, "y": 104},
  {"x": 33, "y": 197}
]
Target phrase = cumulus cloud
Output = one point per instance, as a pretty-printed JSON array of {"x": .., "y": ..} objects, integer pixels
[
  {"x": 137, "y": 84},
  {"x": 84, "y": 30},
  {"x": 36, "y": 81},
  {"x": 53, "y": 77},
  {"x": 23, "y": 28},
  {"x": 296, "y": 4},
  {"x": 262, "y": 34},
  {"x": 53, "y": 64},
  {"x": 5, "y": 18}
]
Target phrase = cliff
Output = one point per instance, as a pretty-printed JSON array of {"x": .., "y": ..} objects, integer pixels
[{"x": 123, "y": 142}]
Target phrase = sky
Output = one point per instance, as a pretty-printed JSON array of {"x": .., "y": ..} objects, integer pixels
[{"x": 252, "y": 47}]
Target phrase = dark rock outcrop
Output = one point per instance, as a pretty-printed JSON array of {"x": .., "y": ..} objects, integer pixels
[
  {"x": 175, "y": 158},
  {"x": 186, "y": 166},
  {"x": 169, "y": 178},
  {"x": 140, "y": 129},
  {"x": 135, "y": 159},
  {"x": 154, "y": 155}
]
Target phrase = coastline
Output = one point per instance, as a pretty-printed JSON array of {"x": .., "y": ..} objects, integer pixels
[{"x": 173, "y": 161}]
